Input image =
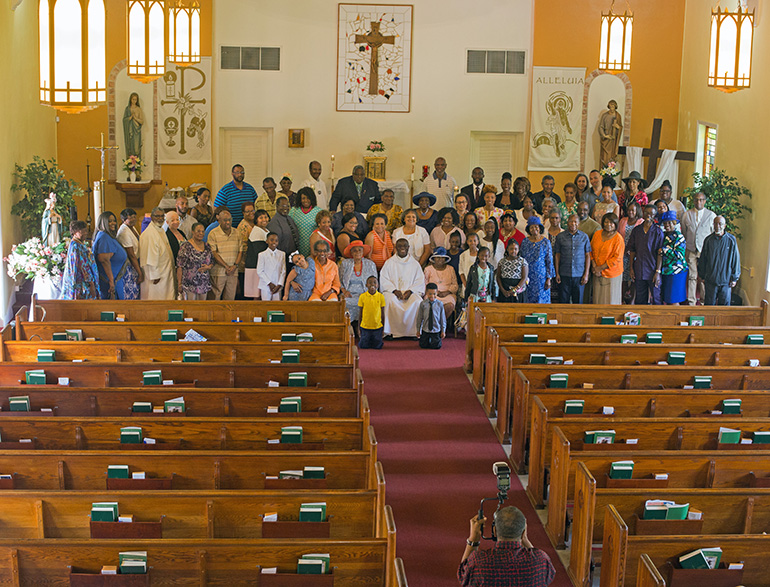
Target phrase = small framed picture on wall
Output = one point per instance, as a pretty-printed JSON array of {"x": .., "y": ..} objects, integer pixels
[{"x": 296, "y": 138}]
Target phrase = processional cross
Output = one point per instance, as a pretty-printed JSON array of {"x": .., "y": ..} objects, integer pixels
[
  {"x": 102, "y": 149},
  {"x": 654, "y": 152},
  {"x": 375, "y": 40}
]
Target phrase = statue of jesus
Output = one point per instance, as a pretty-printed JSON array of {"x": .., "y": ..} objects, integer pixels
[{"x": 610, "y": 130}]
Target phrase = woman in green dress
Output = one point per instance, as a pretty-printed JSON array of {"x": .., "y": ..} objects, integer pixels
[{"x": 304, "y": 216}]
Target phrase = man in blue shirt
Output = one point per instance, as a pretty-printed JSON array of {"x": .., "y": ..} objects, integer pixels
[
  {"x": 235, "y": 193},
  {"x": 572, "y": 258}
]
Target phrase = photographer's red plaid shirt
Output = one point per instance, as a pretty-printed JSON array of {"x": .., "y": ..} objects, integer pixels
[{"x": 508, "y": 564}]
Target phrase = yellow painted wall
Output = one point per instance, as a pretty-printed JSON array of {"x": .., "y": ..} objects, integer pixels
[
  {"x": 26, "y": 127},
  {"x": 743, "y": 125},
  {"x": 567, "y": 34},
  {"x": 76, "y": 131}
]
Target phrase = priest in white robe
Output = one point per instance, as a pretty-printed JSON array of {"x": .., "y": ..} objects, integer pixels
[
  {"x": 402, "y": 282},
  {"x": 157, "y": 260},
  {"x": 317, "y": 185}
]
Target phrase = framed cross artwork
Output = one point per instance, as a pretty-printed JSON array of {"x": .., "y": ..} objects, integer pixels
[{"x": 374, "y": 57}]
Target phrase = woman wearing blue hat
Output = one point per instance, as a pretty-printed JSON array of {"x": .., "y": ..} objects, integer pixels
[
  {"x": 674, "y": 265},
  {"x": 427, "y": 217},
  {"x": 537, "y": 251}
]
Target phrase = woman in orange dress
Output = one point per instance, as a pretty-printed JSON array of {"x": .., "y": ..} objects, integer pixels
[
  {"x": 379, "y": 241},
  {"x": 327, "y": 276},
  {"x": 607, "y": 248}
]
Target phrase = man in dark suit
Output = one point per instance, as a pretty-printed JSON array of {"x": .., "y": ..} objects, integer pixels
[
  {"x": 548, "y": 184},
  {"x": 362, "y": 189},
  {"x": 475, "y": 190}
]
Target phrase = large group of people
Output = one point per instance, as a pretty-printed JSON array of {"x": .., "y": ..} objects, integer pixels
[{"x": 596, "y": 244}]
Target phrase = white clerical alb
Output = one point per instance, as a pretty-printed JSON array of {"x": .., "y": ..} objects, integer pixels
[
  {"x": 157, "y": 262},
  {"x": 402, "y": 274},
  {"x": 319, "y": 187}
]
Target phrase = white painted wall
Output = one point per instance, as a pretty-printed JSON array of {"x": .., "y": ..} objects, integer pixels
[{"x": 446, "y": 103}]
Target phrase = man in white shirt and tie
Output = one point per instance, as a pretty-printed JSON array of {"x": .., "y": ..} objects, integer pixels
[
  {"x": 697, "y": 224},
  {"x": 317, "y": 184}
]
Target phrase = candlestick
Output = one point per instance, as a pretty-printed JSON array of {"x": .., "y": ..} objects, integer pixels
[
  {"x": 411, "y": 177},
  {"x": 332, "y": 176},
  {"x": 97, "y": 199}
]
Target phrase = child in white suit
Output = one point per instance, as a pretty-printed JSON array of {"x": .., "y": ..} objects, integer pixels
[{"x": 271, "y": 269}]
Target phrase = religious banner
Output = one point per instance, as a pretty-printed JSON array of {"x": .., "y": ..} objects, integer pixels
[
  {"x": 374, "y": 57},
  {"x": 557, "y": 109},
  {"x": 184, "y": 114}
]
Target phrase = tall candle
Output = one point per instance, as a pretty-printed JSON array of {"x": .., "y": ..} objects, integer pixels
[
  {"x": 97, "y": 199},
  {"x": 332, "y": 168},
  {"x": 412, "y": 176}
]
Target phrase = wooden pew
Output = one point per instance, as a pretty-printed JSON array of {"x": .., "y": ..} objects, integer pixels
[
  {"x": 515, "y": 383},
  {"x": 725, "y": 511},
  {"x": 87, "y": 470},
  {"x": 220, "y": 375},
  {"x": 482, "y": 316},
  {"x": 685, "y": 468},
  {"x": 651, "y": 433},
  {"x": 174, "y": 432},
  {"x": 199, "y": 311},
  {"x": 351, "y": 514},
  {"x": 205, "y": 402},
  {"x": 212, "y": 331},
  {"x": 638, "y": 403},
  {"x": 325, "y": 353},
  {"x": 647, "y": 575},
  {"x": 621, "y": 552}
]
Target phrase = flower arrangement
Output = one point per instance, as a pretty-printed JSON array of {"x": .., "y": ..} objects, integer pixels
[
  {"x": 612, "y": 170},
  {"x": 133, "y": 163},
  {"x": 34, "y": 258},
  {"x": 375, "y": 147}
]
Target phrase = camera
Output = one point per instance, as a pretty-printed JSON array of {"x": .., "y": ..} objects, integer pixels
[{"x": 503, "y": 473}]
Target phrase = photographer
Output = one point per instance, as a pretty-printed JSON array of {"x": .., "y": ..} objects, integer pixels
[{"x": 513, "y": 562}]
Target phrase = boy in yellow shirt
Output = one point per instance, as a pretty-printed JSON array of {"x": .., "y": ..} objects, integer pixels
[{"x": 372, "y": 304}]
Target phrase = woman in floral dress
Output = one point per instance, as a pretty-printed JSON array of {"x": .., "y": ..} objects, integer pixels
[
  {"x": 194, "y": 262},
  {"x": 674, "y": 266},
  {"x": 537, "y": 251},
  {"x": 81, "y": 277}
]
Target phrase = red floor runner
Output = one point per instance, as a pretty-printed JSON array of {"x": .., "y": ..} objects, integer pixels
[{"x": 437, "y": 448}]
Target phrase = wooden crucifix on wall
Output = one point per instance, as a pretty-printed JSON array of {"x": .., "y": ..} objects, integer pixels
[
  {"x": 375, "y": 39},
  {"x": 654, "y": 152}
]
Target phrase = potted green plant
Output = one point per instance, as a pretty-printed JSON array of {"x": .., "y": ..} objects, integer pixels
[
  {"x": 725, "y": 197},
  {"x": 36, "y": 181}
]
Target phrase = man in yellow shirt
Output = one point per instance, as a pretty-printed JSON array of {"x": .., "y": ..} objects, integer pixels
[{"x": 372, "y": 304}]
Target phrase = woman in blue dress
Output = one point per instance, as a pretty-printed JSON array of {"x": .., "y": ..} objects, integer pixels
[
  {"x": 673, "y": 264},
  {"x": 537, "y": 251},
  {"x": 301, "y": 279},
  {"x": 111, "y": 257},
  {"x": 304, "y": 216},
  {"x": 81, "y": 278}
]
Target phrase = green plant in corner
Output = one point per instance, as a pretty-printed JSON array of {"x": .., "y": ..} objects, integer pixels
[
  {"x": 37, "y": 180},
  {"x": 725, "y": 197}
]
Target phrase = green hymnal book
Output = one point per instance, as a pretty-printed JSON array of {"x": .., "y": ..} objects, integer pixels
[
  {"x": 654, "y": 337},
  {"x": 621, "y": 470},
  {"x": 729, "y": 435},
  {"x": 276, "y": 316},
  {"x": 701, "y": 381},
  {"x": 169, "y": 335},
  {"x": 599, "y": 437},
  {"x": 312, "y": 512},
  {"x": 142, "y": 407},
  {"x": 656, "y": 509},
  {"x": 713, "y": 556},
  {"x": 291, "y": 435},
  {"x": 191, "y": 356},
  {"x": 677, "y": 511},
  {"x": 104, "y": 511},
  {"x": 298, "y": 379},
  {"x": 19, "y": 403},
  {"x": 536, "y": 359},
  {"x": 573, "y": 406},
  {"x": 530, "y": 338},
  {"x": 108, "y": 316},
  {"x": 731, "y": 406},
  {"x": 697, "y": 320},
  {"x": 632, "y": 319},
  {"x": 290, "y": 404},
  {"x": 59, "y": 336},
  {"x": 313, "y": 473},
  {"x": 35, "y": 377},
  {"x": 117, "y": 472},
  {"x": 305, "y": 337},
  {"x": 154, "y": 377},
  {"x": 175, "y": 316},
  {"x": 762, "y": 437},
  {"x": 313, "y": 564},
  {"x": 140, "y": 555},
  {"x": 559, "y": 380},
  {"x": 132, "y": 563},
  {"x": 290, "y": 356},
  {"x": 290, "y": 474},
  {"x": 676, "y": 358},
  {"x": 46, "y": 356},
  {"x": 629, "y": 338},
  {"x": 74, "y": 334},
  {"x": 288, "y": 337},
  {"x": 131, "y": 435},
  {"x": 608, "y": 320},
  {"x": 554, "y": 360},
  {"x": 755, "y": 339},
  {"x": 174, "y": 406},
  {"x": 535, "y": 318},
  {"x": 694, "y": 560}
]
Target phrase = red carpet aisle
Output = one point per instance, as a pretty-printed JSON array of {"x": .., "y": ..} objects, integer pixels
[{"x": 437, "y": 448}]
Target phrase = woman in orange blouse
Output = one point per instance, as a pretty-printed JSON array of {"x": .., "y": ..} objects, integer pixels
[
  {"x": 379, "y": 240},
  {"x": 607, "y": 248},
  {"x": 327, "y": 275}
]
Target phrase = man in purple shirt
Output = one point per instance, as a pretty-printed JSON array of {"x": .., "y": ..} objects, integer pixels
[{"x": 644, "y": 263}]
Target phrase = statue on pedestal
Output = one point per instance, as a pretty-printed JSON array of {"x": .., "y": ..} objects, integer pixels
[
  {"x": 610, "y": 131},
  {"x": 133, "y": 121},
  {"x": 51, "y": 223}
]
